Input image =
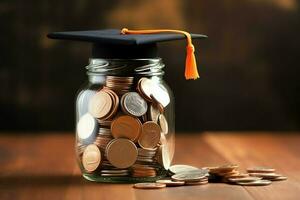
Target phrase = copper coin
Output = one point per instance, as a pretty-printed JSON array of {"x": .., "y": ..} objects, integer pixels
[
  {"x": 150, "y": 135},
  {"x": 91, "y": 158},
  {"x": 149, "y": 185},
  {"x": 121, "y": 153},
  {"x": 126, "y": 127},
  {"x": 197, "y": 183},
  {"x": 100, "y": 104},
  {"x": 163, "y": 124}
]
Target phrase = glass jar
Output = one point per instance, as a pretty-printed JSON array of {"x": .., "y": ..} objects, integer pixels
[{"x": 125, "y": 119}]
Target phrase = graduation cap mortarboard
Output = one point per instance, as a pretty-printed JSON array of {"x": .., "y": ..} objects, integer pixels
[{"x": 132, "y": 44}]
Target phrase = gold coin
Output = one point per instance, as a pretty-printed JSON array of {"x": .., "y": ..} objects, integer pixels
[
  {"x": 126, "y": 127},
  {"x": 121, "y": 153},
  {"x": 150, "y": 135},
  {"x": 100, "y": 104},
  {"x": 149, "y": 185},
  {"x": 91, "y": 158},
  {"x": 163, "y": 124}
]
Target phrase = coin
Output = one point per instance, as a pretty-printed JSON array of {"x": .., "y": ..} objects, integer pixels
[
  {"x": 245, "y": 179},
  {"x": 150, "y": 135},
  {"x": 100, "y": 104},
  {"x": 163, "y": 124},
  {"x": 149, "y": 185},
  {"x": 260, "y": 169},
  {"x": 164, "y": 156},
  {"x": 160, "y": 93},
  {"x": 265, "y": 175},
  {"x": 86, "y": 126},
  {"x": 176, "y": 169},
  {"x": 280, "y": 178},
  {"x": 91, "y": 158},
  {"x": 121, "y": 153},
  {"x": 197, "y": 183},
  {"x": 170, "y": 182},
  {"x": 255, "y": 183},
  {"x": 189, "y": 177},
  {"x": 126, "y": 127},
  {"x": 134, "y": 104},
  {"x": 154, "y": 113},
  {"x": 223, "y": 168},
  {"x": 146, "y": 87}
]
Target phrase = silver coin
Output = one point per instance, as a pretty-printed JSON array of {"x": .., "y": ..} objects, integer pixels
[
  {"x": 255, "y": 183},
  {"x": 176, "y": 169},
  {"x": 86, "y": 126},
  {"x": 135, "y": 104},
  {"x": 163, "y": 124},
  {"x": 114, "y": 171},
  {"x": 160, "y": 93},
  {"x": 245, "y": 179},
  {"x": 189, "y": 177},
  {"x": 265, "y": 175},
  {"x": 154, "y": 113},
  {"x": 115, "y": 175}
]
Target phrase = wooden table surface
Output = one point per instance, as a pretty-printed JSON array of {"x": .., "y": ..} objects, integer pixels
[{"x": 43, "y": 166}]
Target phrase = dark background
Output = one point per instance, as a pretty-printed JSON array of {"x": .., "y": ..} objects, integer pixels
[{"x": 249, "y": 65}]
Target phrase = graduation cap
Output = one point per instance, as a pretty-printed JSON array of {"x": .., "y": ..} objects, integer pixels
[{"x": 133, "y": 44}]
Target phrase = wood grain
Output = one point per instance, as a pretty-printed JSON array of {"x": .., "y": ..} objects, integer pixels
[{"x": 43, "y": 166}]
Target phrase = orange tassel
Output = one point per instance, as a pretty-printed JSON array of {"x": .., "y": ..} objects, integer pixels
[{"x": 191, "y": 71}]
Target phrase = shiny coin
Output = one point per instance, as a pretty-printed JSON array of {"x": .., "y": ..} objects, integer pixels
[
  {"x": 114, "y": 175},
  {"x": 114, "y": 171},
  {"x": 189, "y": 177},
  {"x": 255, "y": 183},
  {"x": 154, "y": 113},
  {"x": 163, "y": 124},
  {"x": 146, "y": 87},
  {"x": 121, "y": 153},
  {"x": 91, "y": 158},
  {"x": 86, "y": 126},
  {"x": 260, "y": 169},
  {"x": 164, "y": 156},
  {"x": 245, "y": 179},
  {"x": 149, "y": 185},
  {"x": 170, "y": 182},
  {"x": 100, "y": 104},
  {"x": 280, "y": 178},
  {"x": 126, "y": 127},
  {"x": 150, "y": 135},
  {"x": 134, "y": 104},
  {"x": 176, "y": 169},
  {"x": 265, "y": 175},
  {"x": 161, "y": 94}
]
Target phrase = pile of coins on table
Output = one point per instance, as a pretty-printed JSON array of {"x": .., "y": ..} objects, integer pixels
[
  {"x": 123, "y": 134},
  {"x": 181, "y": 175}
]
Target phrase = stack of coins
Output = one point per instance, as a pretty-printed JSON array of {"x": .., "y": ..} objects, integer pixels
[
  {"x": 130, "y": 134},
  {"x": 265, "y": 173},
  {"x": 182, "y": 175},
  {"x": 120, "y": 85},
  {"x": 139, "y": 170}
]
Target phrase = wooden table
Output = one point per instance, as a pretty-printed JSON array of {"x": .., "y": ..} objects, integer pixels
[{"x": 43, "y": 166}]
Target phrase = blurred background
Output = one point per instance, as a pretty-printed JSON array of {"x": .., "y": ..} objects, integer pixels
[{"x": 249, "y": 65}]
